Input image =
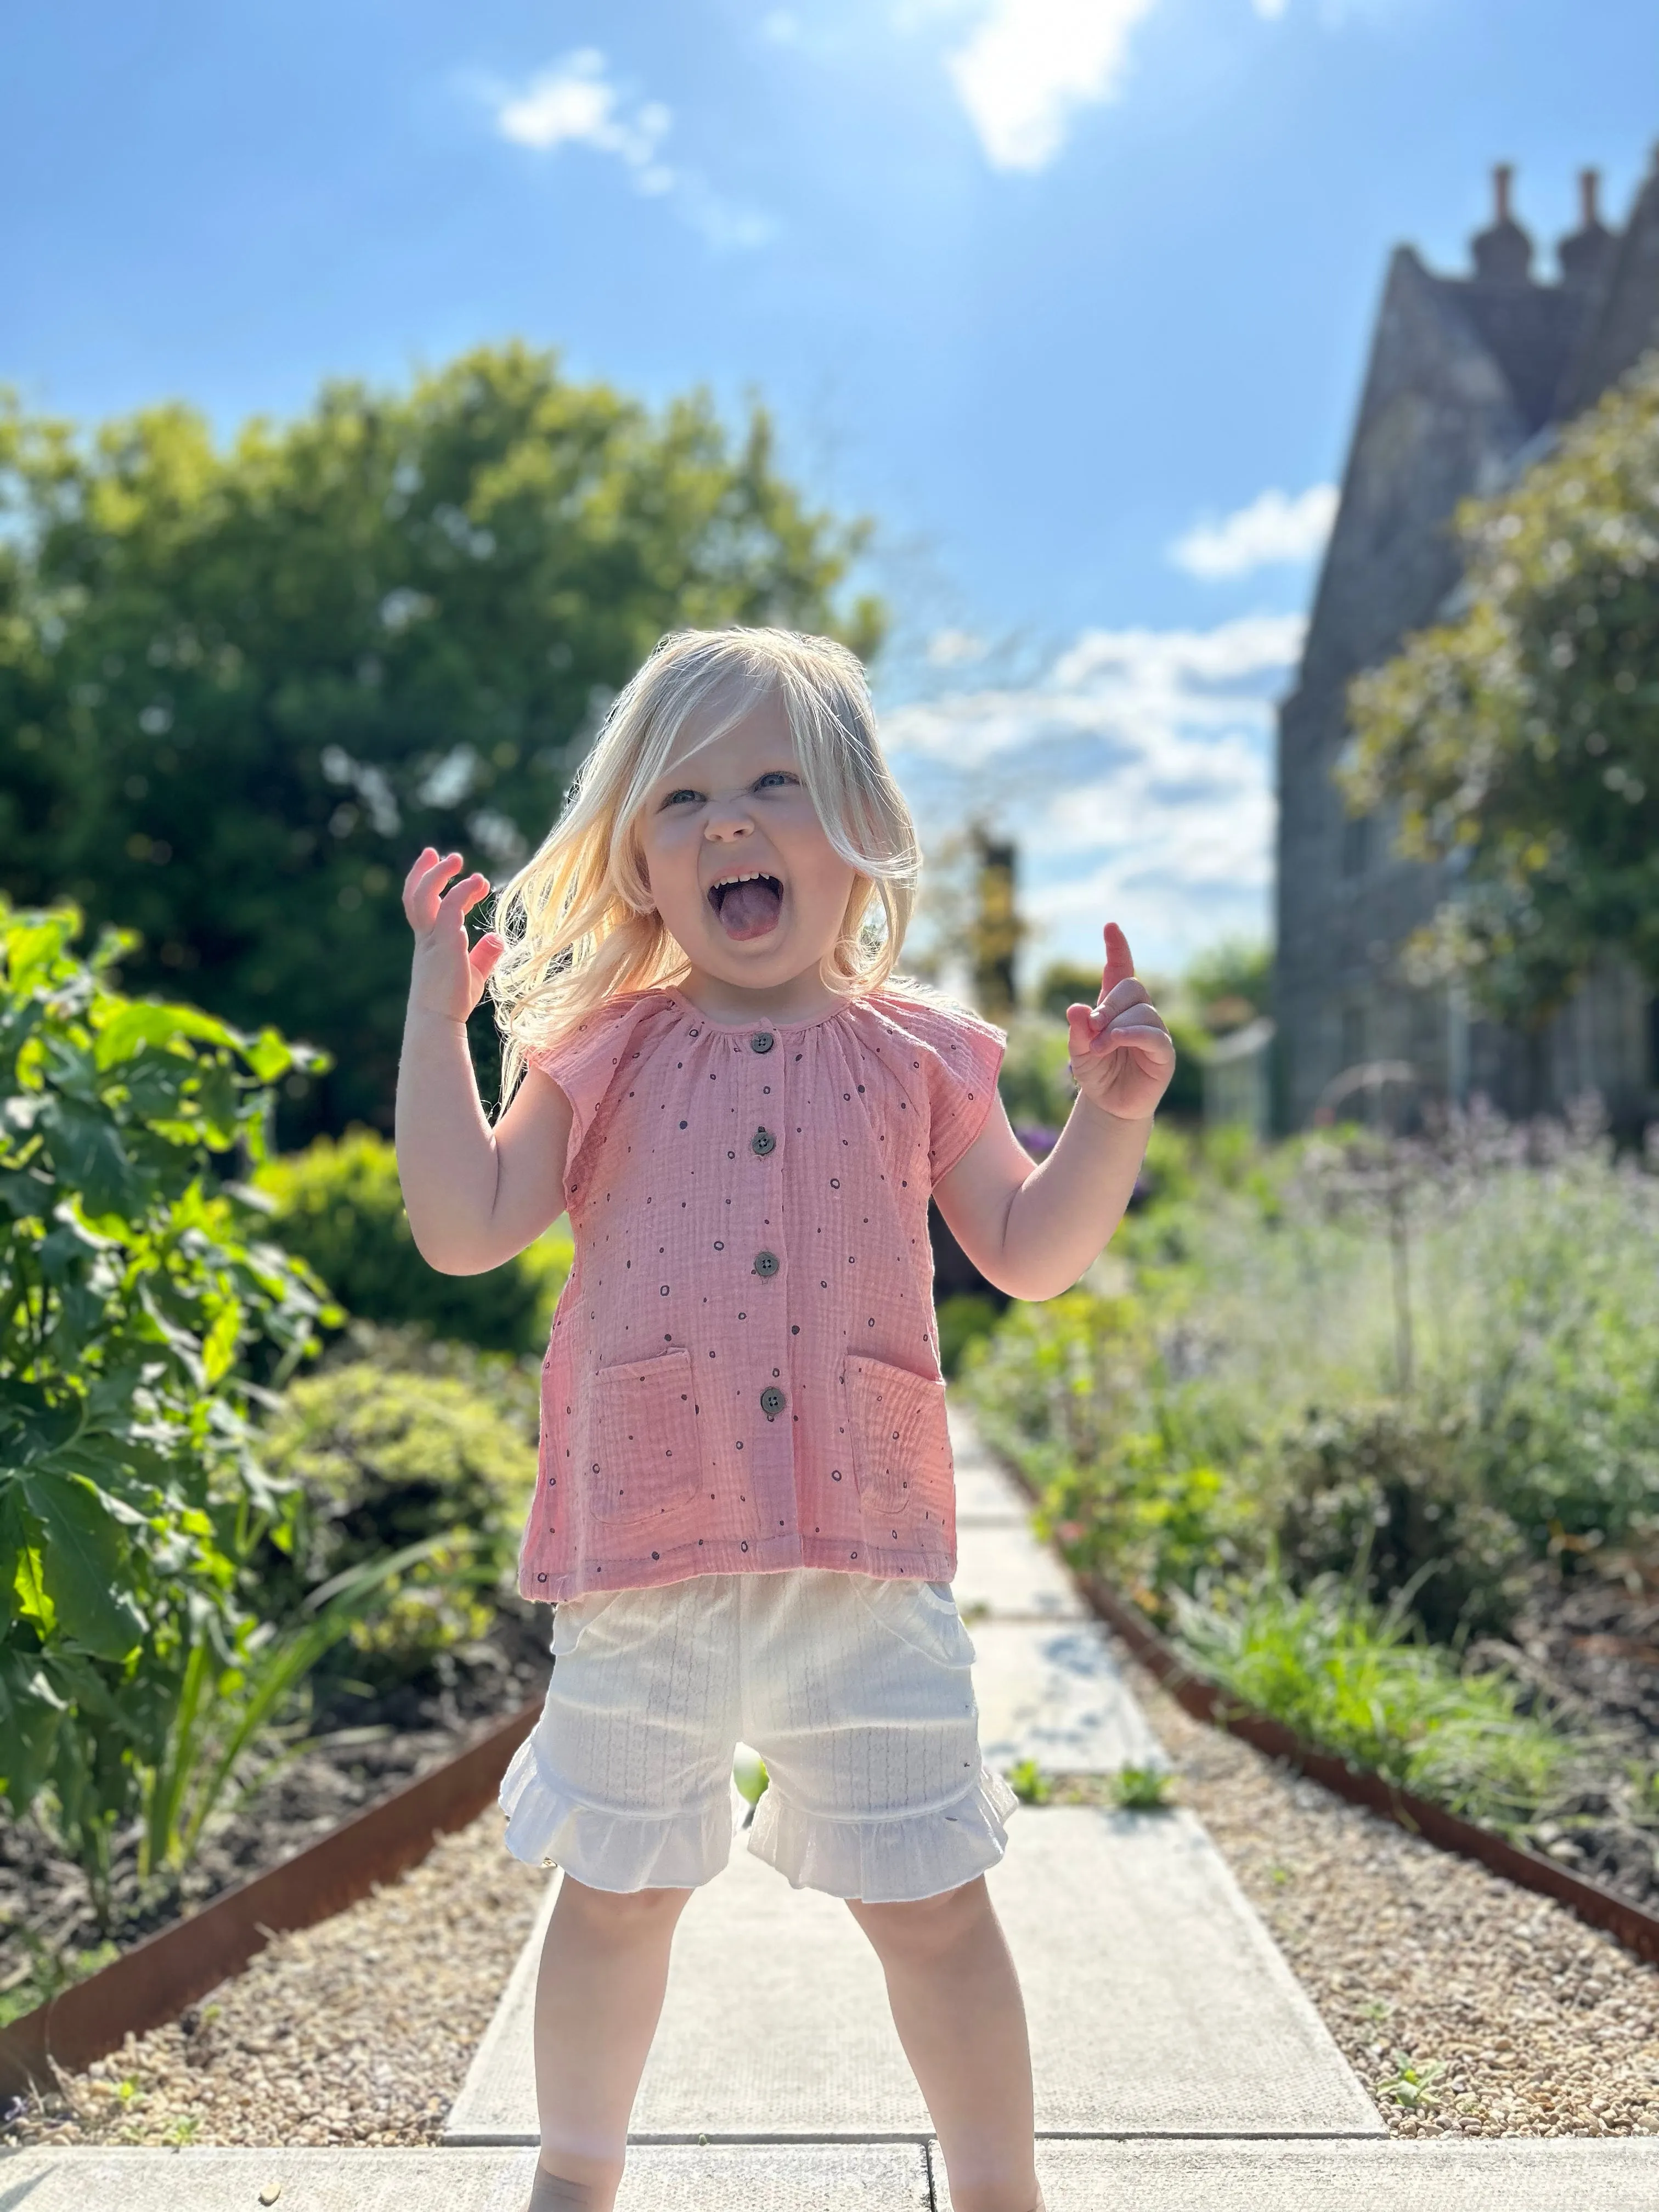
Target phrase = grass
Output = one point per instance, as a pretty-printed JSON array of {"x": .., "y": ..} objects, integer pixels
[{"x": 1357, "y": 1680}]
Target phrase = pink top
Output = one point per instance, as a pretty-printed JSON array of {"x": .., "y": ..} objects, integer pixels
[{"x": 743, "y": 1371}]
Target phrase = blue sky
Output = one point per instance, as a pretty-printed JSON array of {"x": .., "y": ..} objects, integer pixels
[{"x": 1071, "y": 295}]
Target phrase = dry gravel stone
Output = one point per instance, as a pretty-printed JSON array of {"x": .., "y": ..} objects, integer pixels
[
  {"x": 359, "y": 2030},
  {"x": 1516, "y": 2018}
]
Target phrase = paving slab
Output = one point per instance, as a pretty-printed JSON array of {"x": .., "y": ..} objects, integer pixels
[
  {"x": 985, "y": 1489},
  {"x": 776, "y": 2025},
  {"x": 1052, "y": 1692},
  {"x": 818, "y": 2178},
  {"x": 1164, "y": 2010},
  {"x": 1158, "y": 2004},
  {"x": 1002, "y": 1570},
  {"x": 1503, "y": 2174}
]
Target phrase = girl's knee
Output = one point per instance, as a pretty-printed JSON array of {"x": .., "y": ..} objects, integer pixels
[
  {"x": 927, "y": 1927},
  {"x": 622, "y": 1915}
]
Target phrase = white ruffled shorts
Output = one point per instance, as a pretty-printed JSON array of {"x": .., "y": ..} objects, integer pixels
[{"x": 856, "y": 1692}]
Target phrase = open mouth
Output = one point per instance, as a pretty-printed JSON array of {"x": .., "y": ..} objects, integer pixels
[{"x": 747, "y": 903}]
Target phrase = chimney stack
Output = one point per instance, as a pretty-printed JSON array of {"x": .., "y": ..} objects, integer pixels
[
  {"x": 1586, "y": 252},
  {"x": 1503, "y": 254}
]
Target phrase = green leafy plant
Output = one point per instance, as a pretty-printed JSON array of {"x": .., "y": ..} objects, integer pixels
[
  {"x": 1413, "y": 2083},
  {"x": 1143, "y": 1789},
  {"x": 140, "y": 1293},
  {"x": 221, "y": 1739},
  {"x": 339, "y": 1205},
  {"x": 1029, "y": 1783}
]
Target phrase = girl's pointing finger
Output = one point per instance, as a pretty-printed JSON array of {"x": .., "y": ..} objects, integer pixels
[{"x": 1120, "y": 961}]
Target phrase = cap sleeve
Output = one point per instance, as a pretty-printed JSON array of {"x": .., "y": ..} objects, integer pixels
[
  {"x": 961, "y": 1057},
  {"x": 585, "y": 1061}
]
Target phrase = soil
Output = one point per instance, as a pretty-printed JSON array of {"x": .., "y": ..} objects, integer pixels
[
  {"x": 361, "y": 1749},
  {"x": 1588, "y": 1643}
]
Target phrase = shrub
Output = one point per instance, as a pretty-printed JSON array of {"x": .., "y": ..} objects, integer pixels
[
  {"x": 385, "y": 1460},
  {"x": 1128, "y": 1482},
  {"x": 340, "y": 1206},
  {"x": 1382, "y": 1496},
  {"x": 961, "y": 1319}
]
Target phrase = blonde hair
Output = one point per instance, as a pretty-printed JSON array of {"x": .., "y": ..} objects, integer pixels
[{"x": 579, "y": 920}]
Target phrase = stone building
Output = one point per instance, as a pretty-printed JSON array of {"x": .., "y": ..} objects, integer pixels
[{"x": 1469, "y": 379}]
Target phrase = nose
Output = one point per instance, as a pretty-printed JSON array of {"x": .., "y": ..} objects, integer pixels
[{"x": 726, "y": 823}]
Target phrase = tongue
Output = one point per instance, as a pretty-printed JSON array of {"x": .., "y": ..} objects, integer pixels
[{"x": 749, "y": 909}]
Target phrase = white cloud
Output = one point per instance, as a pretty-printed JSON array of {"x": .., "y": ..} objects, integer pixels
[
  {"x": 1135, "y": 774},
  {"x": 577, "y": 103},
  {"x": 1029, "y": 65},
  {"x": 1269, "y": 10},
  {"x": 1273, "y": 528},
  {"x": 954, "y": 648}
]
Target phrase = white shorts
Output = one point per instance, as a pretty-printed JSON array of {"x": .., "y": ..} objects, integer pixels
[{"x": 856, "y": 1693}]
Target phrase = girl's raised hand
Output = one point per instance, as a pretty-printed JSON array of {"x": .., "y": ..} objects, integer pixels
[
  {"x": 449, "y": 974},
  {"x": 1122, "y": 1056}
]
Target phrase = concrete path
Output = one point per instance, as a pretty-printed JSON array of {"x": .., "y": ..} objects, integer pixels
[{"x": 1508, "y": 2176}]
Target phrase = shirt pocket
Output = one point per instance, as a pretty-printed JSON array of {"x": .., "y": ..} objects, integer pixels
[
  {"x": 900, "y": 1444},
  {"x": 646, "y": 1439}
]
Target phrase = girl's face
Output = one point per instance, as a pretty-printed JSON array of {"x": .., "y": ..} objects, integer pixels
[{"x": 745, "y": 878}]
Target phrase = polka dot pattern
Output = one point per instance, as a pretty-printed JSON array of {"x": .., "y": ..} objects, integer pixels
[{"x": 743, "y": 1374}]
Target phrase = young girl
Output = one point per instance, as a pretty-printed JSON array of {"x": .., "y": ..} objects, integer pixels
[{"x": 744, "y": 1502}]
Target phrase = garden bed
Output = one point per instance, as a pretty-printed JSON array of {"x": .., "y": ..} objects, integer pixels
[{"x": 360, "y": 1751}]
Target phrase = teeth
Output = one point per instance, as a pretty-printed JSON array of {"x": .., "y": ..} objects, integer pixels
[{"x": 752, "y": 876}]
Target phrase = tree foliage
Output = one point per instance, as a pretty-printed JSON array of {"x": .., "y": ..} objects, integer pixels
[
  {"x": 137, "y": 1296},
  {"x": 1520, "y": 740},
  {"x": 240, "y": 687}
]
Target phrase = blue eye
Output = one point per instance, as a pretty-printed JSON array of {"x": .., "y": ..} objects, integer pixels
[
  {"x": 775, "y": 776},
  {"x": 675, "y": 797}
]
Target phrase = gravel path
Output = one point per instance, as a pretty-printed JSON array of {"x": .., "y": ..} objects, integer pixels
[
  {"x": 359, "y": 2030},
  {"x": 1466, "y": 2006}
]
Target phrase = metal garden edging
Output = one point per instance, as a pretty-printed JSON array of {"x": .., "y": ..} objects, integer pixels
[{"x": 156, "y": 1980}]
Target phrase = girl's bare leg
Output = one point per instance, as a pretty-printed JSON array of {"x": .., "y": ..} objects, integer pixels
[
  {"x": 960, "y": 2016},
  {"x": 604, "y": 1970}
]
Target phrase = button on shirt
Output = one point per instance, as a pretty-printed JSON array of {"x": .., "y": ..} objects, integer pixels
[{"x": 743, "y": 1367}]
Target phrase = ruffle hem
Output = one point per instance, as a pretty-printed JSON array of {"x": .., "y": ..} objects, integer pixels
[
  {"x": 605, "y": 1849},
  {"x": 892, "y": 1861}
]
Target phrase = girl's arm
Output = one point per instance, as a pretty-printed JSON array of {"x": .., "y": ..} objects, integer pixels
[
  {"x": 1033, "y": 1230},
  {"x": 474, "y": 1195}
]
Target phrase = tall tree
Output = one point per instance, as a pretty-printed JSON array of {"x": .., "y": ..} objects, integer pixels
[
  {"x": 1520, "y": 740},
  {"x": 240, "y": 687}
]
